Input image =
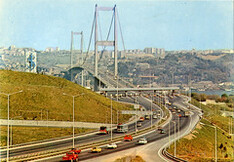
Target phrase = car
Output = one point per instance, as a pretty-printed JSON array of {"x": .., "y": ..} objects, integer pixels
[
  {"x": 147, "y": 117},
  {"x": 142, "y": 119},
  {"x": 96, "y": 149},
  {"x": 128, "y": 138},
  {"x": 159, "y": 128},
  {"x": 70, "y": 156},
  {"x": 76, "y": 150},
  {"x": 178, "y": 110},
  {"x": 139, "y": 124},
  {"x": 112, "y": 146},
  {"x": 142, "y": 141},
  {"x": 154, "y": 116},
  {"x": 103, "y": 130},
  {"x": 162, "y": 131}
]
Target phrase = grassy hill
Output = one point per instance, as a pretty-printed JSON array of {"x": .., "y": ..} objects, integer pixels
[
  {"x": 43, "y": 93},
  {"x": 199, "y": 144}
]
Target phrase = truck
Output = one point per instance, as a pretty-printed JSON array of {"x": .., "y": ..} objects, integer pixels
[
  {"x": 103, "y": 130},
  {"x": 122, "y": 128},
  {"x": 70, "y": 156}
]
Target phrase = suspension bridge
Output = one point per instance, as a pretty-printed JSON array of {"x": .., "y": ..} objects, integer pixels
[{"x": 102, "y": 79}]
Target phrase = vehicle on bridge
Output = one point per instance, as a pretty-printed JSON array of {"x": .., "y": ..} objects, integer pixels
[
  {"x": 70, "y": 156},
  {"x": 128, "y": 138},
  {"x": 103, "y": 130},
  {"x": 96, "y": 149},
  {"x": 122, "y": 128}
]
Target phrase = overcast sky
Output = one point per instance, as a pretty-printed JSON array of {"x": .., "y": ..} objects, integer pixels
[{"x": 173, "y": 25}]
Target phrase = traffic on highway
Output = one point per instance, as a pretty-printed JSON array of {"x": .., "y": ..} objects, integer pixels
[{"x": 127, "y": 134}]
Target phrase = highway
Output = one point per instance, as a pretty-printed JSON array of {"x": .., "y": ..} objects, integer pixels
[
  {"x": 82, "y": 140},
  {"x": 151, "y": 137},
  {"x": 151, "y": 152}
]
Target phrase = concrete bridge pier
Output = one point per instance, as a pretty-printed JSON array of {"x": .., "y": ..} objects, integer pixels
[{"x": 98, "y": 84}]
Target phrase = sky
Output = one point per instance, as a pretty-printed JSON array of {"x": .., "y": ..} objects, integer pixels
[{"x": 173, "y": 25}]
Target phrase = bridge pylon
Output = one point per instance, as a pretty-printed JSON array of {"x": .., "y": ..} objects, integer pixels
[{"x": 106, "y": 43}]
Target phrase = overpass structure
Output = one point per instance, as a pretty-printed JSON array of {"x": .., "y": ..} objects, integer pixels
[{"x": 139, "y": 89}]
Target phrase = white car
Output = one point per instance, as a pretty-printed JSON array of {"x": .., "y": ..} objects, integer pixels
[
  {"x": 139, "y": 124},
  {"x": 142, "y": 141},
  {"x": 111, "y": 146},
  {"x": 154, "y": 116}
]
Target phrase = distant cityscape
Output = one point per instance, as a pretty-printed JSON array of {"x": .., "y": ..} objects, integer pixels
[{"x": 144, "y": 66}]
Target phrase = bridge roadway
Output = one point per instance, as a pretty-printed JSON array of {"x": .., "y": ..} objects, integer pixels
[
  {"x": 107, "y": 78},
  {"x": 92, "y": 138},
  {"x": 138, "y": 89}
]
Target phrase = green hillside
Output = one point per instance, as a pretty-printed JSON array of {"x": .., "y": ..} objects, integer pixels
[{"x": 42, "y": 93}]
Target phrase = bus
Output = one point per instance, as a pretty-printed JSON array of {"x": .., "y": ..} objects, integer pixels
[{"x": 122, "y": 128}]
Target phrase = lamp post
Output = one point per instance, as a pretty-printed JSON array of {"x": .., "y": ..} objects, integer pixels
[
  {"x": 11, "y": 136},
  {"x": 178, "y": 127},
  {"x": 73, "y": 131},
  {"x": 216, "y": 158},
  {"x": 169, "y": 133},
  {"x": 175, "y": 138},
  {"x": 151, "y": 105},
  {"x": 136, "y": 115},
  {"x": 111, "y": 118},
  {"x": 8, "y": 116}
]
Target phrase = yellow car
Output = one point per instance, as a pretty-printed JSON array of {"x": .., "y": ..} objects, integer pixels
[{"x": 96, "y": 149}]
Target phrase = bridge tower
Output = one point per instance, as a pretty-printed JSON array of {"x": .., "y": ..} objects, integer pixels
[
  {"x": 71, "y": 52},
  {"x": 106, "y": 43}
]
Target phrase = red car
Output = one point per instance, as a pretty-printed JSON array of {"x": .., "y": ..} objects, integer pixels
[
  {"x": 71, "y": 156},
  {"x": 103, "y": 130},
  {"x": 76, "y": 150},
  {"x": 128, "y": 138},
  {"x": 142, "y": 118}
]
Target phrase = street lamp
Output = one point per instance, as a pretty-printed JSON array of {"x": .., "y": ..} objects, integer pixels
[
  {"x": 136, "y": 114},
  {"x": 151, "y": 105},
  {"x": 175, "y": 138},
  {"x": 73, "y": 140},
  {"x": 111, "y": 117},
  {"x": 8, "y": 116},
  {"x": 216, "y": 158},
  {"x": 11, "y": 136}
]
